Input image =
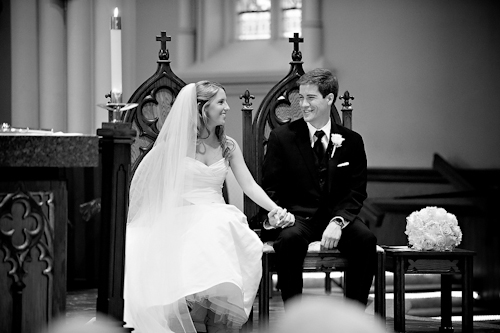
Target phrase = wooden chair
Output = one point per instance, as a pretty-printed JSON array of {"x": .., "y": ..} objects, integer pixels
[
  {"x": 280, "y": 106},
  {"x": 154, "y": 98}
]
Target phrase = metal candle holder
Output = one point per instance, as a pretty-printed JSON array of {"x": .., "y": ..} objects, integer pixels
[{"x": 115, "y": 107}]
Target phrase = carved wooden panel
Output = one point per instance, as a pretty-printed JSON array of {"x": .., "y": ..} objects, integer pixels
[{"x": 27, "y": 222}]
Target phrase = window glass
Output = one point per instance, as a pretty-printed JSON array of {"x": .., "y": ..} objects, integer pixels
[
  {"x": 253, "y": 19},
  {"x": 291, "y": 17}
]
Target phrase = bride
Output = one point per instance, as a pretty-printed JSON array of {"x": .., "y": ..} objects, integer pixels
[{"x": 192, "y": 262}]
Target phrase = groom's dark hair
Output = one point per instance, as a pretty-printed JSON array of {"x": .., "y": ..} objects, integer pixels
[{"x": 323, "y": 78}]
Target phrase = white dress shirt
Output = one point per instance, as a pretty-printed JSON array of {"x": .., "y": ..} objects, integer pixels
[{"x": 325, "y": 139}]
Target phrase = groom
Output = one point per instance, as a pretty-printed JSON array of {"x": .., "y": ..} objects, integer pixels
[{"x": 316, "y": 169}]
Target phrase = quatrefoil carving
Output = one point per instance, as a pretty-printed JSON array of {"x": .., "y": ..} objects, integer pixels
[
  {"x": 151, "y": 114},
  {"x": 23, "y": 227}
]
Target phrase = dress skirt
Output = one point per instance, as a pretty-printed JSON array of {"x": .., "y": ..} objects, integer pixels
[{"x": 210, "y": 259}]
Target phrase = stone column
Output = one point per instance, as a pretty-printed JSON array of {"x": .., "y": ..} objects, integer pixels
[
  {"x": 52, "y": 64},
  {"x": 186, "y": 39},
  {"x": 80, "y": 101},
  {"x": 312, "y": 30},
  {"x": 24, "y": 39}
]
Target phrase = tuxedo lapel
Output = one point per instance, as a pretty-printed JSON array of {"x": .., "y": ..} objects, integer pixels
[
  {"x": 303, "y": 143},
  {"x": 332, "y": 167},
  {"x": 334, "y": 160}
]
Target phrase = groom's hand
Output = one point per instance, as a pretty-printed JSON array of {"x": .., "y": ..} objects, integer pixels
[
  {"x": 287, "y": 220},
  {"x": 331, "y": 236}
]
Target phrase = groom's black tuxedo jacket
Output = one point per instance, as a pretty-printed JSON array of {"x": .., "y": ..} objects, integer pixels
[{"x": 291, "y": 175}]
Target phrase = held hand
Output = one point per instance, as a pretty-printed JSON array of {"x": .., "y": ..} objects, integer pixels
[
  {"x": 287, "y": 221},
  {"x": 274, "y": 216},
  {"x": 331, "y": 236},
  {"x": 280, "y": 218}
]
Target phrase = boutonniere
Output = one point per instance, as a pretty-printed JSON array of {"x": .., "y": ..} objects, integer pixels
[{"x": 336, "y": 140}]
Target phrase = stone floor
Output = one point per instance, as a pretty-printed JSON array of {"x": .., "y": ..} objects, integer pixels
[{"x": 81, "y": 304}]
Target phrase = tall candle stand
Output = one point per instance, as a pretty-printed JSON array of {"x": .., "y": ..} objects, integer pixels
[{"x": 116, "y": 139}]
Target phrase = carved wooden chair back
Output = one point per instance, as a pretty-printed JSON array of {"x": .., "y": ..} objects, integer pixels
[{"x": 154, "y": 98}]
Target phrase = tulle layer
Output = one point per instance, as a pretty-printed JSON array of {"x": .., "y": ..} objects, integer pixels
[
  {"x": 225, "y": 300},
  {"x": 212, "y": 259}
]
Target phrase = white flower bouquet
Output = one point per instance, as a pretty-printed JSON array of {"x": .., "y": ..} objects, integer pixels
[{"x": 433, "y": 228}]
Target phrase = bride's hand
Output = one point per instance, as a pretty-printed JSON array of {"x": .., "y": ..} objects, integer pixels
[
  {"x": 280, "y": 218},
  {"x": 274, "y": 216}
]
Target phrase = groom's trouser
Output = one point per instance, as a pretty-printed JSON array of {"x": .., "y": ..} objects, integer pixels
[{"x": 357, "y": 243}]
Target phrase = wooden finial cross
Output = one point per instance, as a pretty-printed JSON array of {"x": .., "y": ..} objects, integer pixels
[
  {"x": 163, "y": 38},
  {"x": 296, "y": 40},
  {"x": 296, "y": 54}
]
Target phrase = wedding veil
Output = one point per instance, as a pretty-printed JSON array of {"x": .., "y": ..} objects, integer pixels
[
  {"x": 159, "y": 180},
  {"x": 153, "y": 302}
]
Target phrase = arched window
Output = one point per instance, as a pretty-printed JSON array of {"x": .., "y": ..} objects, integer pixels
[
  {"x": 267, "y": 19},
  {"x": 291, "y": 17},
  {"x": 254, "y": 19}
]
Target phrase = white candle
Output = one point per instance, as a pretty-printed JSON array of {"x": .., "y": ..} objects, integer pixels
[{"x": 116, "y": 57}]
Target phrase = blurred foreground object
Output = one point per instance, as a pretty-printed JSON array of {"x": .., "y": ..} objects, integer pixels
[
  {"x": 83, "y": 325},
  {"x": 322, "y": 314}
]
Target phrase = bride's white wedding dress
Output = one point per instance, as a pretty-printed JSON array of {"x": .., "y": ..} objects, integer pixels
[{"x": 211, "y": 258}]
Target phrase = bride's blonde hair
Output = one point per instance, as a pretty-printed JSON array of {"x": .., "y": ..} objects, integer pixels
[{"x": 205, "y": 94}]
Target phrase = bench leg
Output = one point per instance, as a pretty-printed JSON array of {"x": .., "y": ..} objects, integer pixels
[
  {"x": 343, "y": 281},
  {"x": 446, "y": 325},
  {"x": 467, "y": 297},
  {"x": 399, "y": 296},
  {"x": 380, "y": 286},
  {"x": 328, "y": 283},
  {"x": 264, "y": 294}
]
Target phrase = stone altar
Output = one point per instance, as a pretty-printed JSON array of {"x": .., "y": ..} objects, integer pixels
[{"x": 33, "y": 224}]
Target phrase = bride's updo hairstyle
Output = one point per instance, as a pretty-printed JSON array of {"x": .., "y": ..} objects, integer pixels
[{"x": 205, "y": 94}]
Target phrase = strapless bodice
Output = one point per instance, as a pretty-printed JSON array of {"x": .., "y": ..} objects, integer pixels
[{"x": 204, "y": 182}]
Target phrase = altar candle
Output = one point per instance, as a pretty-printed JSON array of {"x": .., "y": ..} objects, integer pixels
[{"x": 116, "y": 57}]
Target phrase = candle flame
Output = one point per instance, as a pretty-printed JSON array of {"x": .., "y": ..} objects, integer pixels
[{"x": 116, "y": 12}]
